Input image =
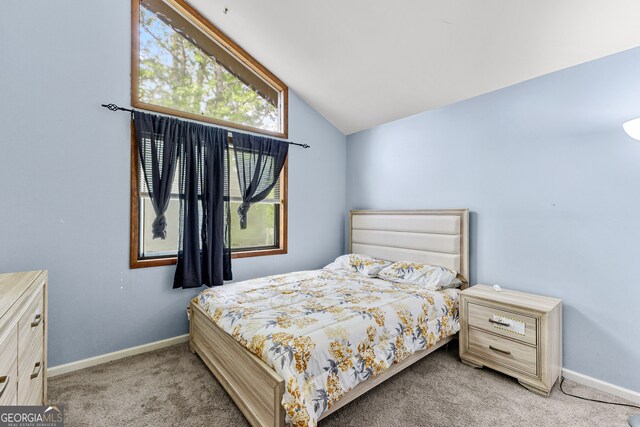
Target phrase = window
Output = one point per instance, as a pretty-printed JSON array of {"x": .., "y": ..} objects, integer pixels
[
  {"x": 266, "y": 232},
  {"x": 184, "y": 66}
]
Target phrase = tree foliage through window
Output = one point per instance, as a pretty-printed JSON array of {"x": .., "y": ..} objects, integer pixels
[{"x": 177, "y": 74}]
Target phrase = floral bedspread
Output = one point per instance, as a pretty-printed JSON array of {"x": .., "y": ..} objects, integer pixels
[{"x": 325, "y": 332}]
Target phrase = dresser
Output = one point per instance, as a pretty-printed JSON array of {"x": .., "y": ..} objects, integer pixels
[
  {"x": 516, "y": 333},
  {"x": 23, "y": 338}
]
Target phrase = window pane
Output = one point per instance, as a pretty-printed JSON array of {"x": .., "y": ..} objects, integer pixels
[
  {"x": 156, "y": 247},
  {"x": 262, "y": 219},
  {"x": 261, "y": 226},
  {"x": 234, "y": 185},
  {"x": 183, "y": 69}
]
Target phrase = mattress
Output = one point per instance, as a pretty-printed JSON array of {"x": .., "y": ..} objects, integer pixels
[{"x": 325, "y": 332}]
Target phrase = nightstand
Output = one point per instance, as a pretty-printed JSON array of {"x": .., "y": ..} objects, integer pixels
[{"x": 516, "y": 333}]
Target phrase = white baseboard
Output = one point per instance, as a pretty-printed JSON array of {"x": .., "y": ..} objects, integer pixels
[
  {"x": 104, "y": 358},
  {"x": 630, "y": 395}
]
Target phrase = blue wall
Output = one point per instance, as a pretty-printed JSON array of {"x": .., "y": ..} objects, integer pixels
[
  {"x": 553, "y": 183},
  {"x": 64, "y": 181}
]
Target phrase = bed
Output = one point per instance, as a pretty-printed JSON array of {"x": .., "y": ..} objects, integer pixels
[{"x": 294, "y": 348}]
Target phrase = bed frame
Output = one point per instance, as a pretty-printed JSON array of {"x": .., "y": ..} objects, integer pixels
[{"x": 429, "y": 236}]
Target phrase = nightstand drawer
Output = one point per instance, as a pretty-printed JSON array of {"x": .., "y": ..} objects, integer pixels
[
  {"x": 503, "y": 351},
  {"x": 521, "y": 328}
]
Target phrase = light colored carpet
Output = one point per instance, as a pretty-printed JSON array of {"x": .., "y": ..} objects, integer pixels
[{"x": 172, "y": 387}]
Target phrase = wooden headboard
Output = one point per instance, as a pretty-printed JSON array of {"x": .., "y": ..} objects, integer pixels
[{"x": 439, "y": 236}]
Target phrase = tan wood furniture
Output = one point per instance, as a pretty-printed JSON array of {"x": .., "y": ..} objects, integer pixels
[
  {"x": 23, "y": 338},
  {"x": 435, "y": 236},
  {"x": 516, "y": 333}
]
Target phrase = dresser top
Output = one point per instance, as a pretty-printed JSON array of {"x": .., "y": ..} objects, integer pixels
[
  {"x": 13, "y": 285},
  {"x": 514, "y": 298}
]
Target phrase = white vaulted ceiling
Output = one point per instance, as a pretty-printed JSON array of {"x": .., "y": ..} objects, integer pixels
[{"x": 360, "y": 63}]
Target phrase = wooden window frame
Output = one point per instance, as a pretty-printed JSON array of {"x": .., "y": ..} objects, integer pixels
[
  {"x": 218, "y": 36},
  {"x": 222, "y": 39},
  {"x": 134, "y": 258}
]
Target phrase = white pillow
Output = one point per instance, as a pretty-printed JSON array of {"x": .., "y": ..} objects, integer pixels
[
  {"x": 357, "y": 263},
  {"x": 430, "y": 276},
  {"x": 455, "y": 283}
]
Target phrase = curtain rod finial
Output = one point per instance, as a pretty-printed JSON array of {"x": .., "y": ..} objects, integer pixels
[{"x": 114, "y": 107}]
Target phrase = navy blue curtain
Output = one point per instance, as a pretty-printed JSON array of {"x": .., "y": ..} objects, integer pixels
[
  {"x": 158, "y": 152},
  {"x": 204, "y": 252},
  {"x": 201, "y": 155},
  {"x": 259, "y": 161}
]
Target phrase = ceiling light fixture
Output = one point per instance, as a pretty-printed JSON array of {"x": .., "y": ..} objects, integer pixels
[{"x": 632, "y": 128}]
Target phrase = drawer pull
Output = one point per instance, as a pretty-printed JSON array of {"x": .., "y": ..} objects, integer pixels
[
  {"x": 5, "y": 383},
  {"x": 497, "y": 322},
  {"x": 36, "y": 370},
  {"x": 500, "y": 351},
  {"x": 36, "y": 320}
]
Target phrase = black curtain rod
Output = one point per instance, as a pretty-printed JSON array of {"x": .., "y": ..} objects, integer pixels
[{"x": 114, "y": 107}]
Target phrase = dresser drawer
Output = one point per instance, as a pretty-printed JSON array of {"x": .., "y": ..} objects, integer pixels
[
  {"x": 31, "y": 332},
  {"x": 30, "y": 352},
  {"x": 30, "y": 380},
  {"x": 503, "y": 351},
  {"x": 9, "y": 368},
  {"x": 483, "y": 317}
]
